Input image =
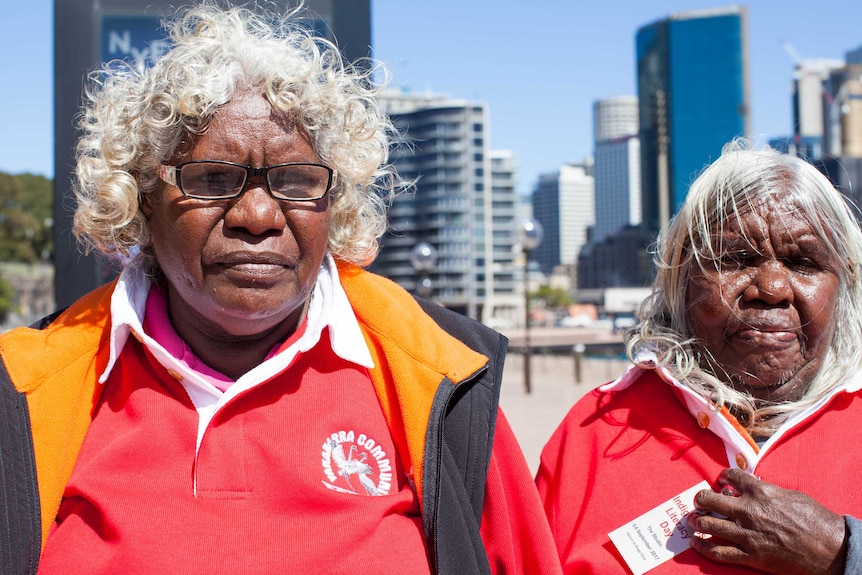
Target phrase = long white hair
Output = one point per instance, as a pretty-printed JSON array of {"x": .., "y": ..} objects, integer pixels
[{"x": 741, "y": 178}]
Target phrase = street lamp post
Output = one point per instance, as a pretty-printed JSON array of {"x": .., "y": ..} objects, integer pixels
[
  {"x": 423, "y": 257},
  {"x": 529, "y": 236}
]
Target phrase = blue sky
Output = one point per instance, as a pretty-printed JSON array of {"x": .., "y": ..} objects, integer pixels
[{"x": 539, "y": 65}]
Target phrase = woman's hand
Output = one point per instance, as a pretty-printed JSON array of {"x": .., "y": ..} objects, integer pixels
[{"x": 767, "y": 527}]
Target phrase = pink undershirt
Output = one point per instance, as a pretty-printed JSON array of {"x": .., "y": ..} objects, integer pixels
[{"x": 157, "y": 324}]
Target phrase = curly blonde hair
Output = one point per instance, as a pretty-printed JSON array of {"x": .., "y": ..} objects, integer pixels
[
  {"x": 135, "y": 119},
  {"x": 738, "y": 181}
]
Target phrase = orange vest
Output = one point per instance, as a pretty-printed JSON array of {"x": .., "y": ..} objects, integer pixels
[{"x": 58, "y": 369}]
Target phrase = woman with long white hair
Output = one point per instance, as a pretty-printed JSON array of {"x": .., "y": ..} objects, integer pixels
[{"x": 746, "y": 375}]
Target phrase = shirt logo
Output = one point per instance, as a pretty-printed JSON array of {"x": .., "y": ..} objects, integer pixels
[{"x": 355, "y": 464}]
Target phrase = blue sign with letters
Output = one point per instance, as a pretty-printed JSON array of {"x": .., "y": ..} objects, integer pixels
[{"x": 138, "y": 40}]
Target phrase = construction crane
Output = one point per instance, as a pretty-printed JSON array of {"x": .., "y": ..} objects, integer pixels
[{"x": 791, "y": 51}]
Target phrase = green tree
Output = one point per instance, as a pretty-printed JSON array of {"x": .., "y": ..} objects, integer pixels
[
  {"x": 25, "y": 218},
  {"x": 553, "y": 297},
  {"x": 7, "y": 299}
]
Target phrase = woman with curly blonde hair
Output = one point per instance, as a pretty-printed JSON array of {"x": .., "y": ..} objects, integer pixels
[
  {"x": 747, "y": 370},
  {"x": 137, "y": 120},
  {"x": 245, "y": 397}
]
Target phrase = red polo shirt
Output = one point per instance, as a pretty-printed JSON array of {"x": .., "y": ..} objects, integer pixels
[{"x": 298, "y": 474}]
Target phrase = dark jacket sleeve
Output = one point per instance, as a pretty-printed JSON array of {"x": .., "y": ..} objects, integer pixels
[
  {"x": 853, "y": 564},
  {"x": 20, "y": 520},
  {"x": 458, "y": 448},
  {"x": 474, "y": 463}
]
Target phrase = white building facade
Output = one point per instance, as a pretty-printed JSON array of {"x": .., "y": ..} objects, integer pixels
[
  {"x": 617, "y": 166},
  {"x": 464, "y": 203},
  {"x": 563, "y": 202},
  {"x": 614, "y": 118},
  {"x": 617, "y": 186}
]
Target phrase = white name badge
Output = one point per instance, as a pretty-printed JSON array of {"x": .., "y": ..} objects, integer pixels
[{"x": 657, "y": 535}]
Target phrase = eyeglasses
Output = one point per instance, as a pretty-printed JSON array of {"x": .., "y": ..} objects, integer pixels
[{"x": 216, "y": 180}]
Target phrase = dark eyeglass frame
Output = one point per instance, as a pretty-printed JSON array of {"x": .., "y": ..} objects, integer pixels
[{"x": 172, "y": 175}]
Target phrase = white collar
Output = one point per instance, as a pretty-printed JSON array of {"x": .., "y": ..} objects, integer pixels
[
  {"x": 648, "y": 361},
  {"x": 329, "y": 308},
  {"x": 725, "y": 429}
]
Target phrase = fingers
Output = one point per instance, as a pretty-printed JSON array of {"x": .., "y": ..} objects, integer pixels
[
  {"x": 734, "y": 484},
  {"x": 720, "y": 539},
  {"x": 712, "y": 502},
  {"x": 717, "y": 527},
  {"x": 721, "y": 552},
  {"x": 755, "y": 523},
  {"x": 738, "y": 481}
]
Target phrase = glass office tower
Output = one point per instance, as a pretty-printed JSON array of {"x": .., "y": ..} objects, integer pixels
[{"x": 693, "y": 98}]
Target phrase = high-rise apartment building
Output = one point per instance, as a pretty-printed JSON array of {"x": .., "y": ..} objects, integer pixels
[
  {"x": 451, "y": 208},
  {"x": 842, "y": 97},
  {"x": 504, "y": 218},
  {"x": 609, "y": 259},
  {"x": 693, "y": 97},
  {"x": 618, "y": 186},
  {"x": 809, "y": 111},
  {"x": 505, "y": 301},
  {"x": 827, "y": 119},
  {"x": 616, "y": 170},
  {"x": 842, "y": 137},
  {"x": 563, "y": 204},
  {"x": 615, "y": 118}
]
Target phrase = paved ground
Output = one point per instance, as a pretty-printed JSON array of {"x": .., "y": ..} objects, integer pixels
[{"x": 534, "y": 417}]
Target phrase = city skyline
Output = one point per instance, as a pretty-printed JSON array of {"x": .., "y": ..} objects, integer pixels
[{"x": 539, "y": 68}]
